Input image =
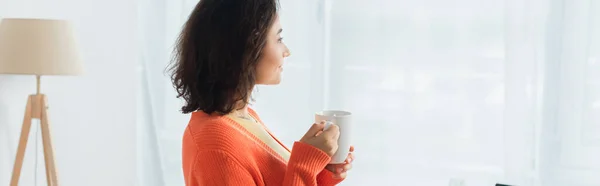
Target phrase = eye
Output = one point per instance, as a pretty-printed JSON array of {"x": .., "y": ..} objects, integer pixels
[{"x": 280, "y": 40}]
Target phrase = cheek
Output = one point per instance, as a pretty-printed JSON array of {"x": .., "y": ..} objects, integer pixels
[
  {"x": 273, "y": 58},
  {"x": 268, "y": 65}
]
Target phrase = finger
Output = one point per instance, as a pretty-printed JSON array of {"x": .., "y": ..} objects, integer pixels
[
  {"x": 339, "y": 168},
  {"x": 350, "y": 158},
  {"x": 333, "y": 131},
  {"x": 343, "y": 175},
  {"x": 314, "y": 129},
  {"x": 340, "y": 175},
  {"x": 351, "y": 148},
  {"x": 319, "y": 133},
  {"x": 347, "y": 167}
]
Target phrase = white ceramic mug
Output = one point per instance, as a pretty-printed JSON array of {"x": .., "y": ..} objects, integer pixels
[{"x": 343, "y": 120}]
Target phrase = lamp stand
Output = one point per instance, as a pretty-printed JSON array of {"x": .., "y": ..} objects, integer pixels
[{"x": 36, "y": 109}]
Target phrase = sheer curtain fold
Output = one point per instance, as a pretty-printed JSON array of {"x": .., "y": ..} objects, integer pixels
[
  {"x": 482, "y": 91},
  {"x": 570, "y": 136}
]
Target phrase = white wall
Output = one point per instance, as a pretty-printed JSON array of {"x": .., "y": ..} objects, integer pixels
[{"x": 92, "y": 116}]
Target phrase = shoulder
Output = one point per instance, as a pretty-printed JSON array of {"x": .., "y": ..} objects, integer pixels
[{"x": 214, "y": 133}]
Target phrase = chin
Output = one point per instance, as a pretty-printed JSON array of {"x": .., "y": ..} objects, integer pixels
[
  {"x": 272, "y": 82},
  {"x": 276, "y": 82}
]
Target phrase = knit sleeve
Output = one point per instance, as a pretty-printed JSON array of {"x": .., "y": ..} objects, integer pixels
[
  {"x": 325, "y": 178},
  {"x": 219, "y": 168},
  {"x": 305, "y": 164}
]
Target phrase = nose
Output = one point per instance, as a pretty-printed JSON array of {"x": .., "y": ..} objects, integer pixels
[{"x": 287, "y": 52}]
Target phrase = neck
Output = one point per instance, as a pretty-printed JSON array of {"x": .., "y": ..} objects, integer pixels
[
  {"x": 243, "y": 107},
  {"x": 243, "y": 110},
  {"x": 243, "y": 113}
]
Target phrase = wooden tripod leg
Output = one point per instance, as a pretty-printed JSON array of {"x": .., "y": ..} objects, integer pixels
[
  {"x": 47, "y": 141},
  {"x": 16, "y": 174}
]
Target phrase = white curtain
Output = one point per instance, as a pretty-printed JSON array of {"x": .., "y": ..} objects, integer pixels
[
  {"x": 473, "y": 91},
  {"x": 570, "y": 134}
]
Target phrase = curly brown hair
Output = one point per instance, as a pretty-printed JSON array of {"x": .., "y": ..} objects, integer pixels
[{"x": 215, "y": 57}]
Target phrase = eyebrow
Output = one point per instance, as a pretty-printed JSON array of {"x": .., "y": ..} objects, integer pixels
[{"x": 280, "y": 30}]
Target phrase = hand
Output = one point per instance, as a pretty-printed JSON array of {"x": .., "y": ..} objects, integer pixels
[
  {"x": 325, "y": 140},
  {"x": 339, "y": 170}
]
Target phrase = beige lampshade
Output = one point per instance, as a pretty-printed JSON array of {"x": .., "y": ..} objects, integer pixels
[{"x": 38, "y": 47}]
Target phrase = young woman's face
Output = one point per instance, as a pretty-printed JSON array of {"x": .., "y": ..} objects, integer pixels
[{"x": 270, "y": 65}]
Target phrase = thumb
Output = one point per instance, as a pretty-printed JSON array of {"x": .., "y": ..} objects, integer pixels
[
  {"x": 314, "y": 129},
  {"x": 333, "y": 131}
]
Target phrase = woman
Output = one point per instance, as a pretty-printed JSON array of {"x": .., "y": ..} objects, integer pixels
[{"x": 225, "y": 49}]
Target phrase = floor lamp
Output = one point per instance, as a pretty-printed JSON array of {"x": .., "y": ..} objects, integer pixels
[{"x": 37, "y": 47}]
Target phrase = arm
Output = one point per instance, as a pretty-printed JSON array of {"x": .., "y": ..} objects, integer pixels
[
  {"x": 325, "y": 178},
  {"x": 304, "y": 166},
  {"x": 220, "y": 168}
]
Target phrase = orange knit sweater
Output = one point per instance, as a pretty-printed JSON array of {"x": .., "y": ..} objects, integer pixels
[{"x": 219, "y": 151}]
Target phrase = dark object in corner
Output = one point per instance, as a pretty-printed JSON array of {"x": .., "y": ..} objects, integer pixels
[{"x": 497, "y": 184}]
